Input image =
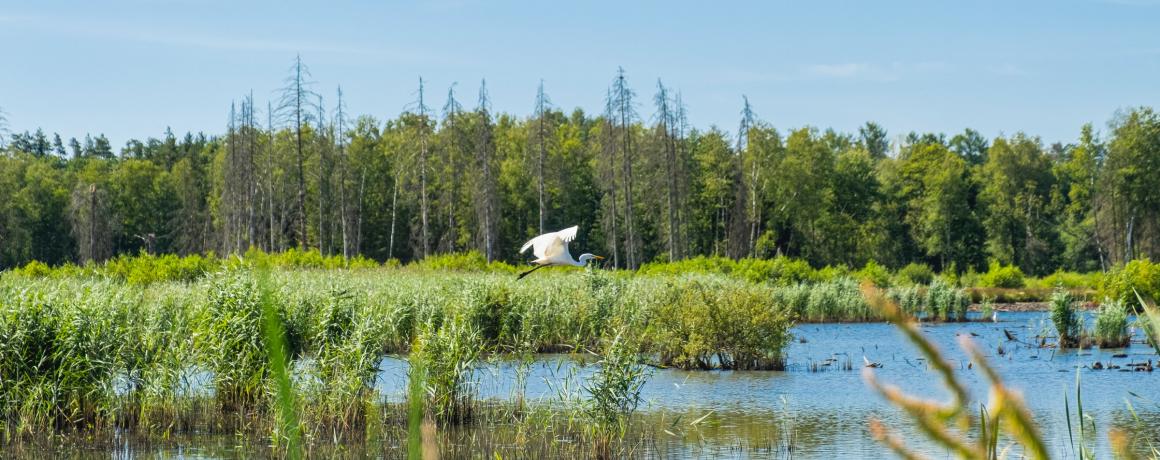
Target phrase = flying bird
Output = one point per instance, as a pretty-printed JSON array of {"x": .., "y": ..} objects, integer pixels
[{"x": 552, "y": 249}]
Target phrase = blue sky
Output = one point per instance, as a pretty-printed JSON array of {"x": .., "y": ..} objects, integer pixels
[{"x": 129, "y": 69}]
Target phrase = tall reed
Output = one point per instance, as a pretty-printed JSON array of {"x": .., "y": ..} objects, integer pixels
[{"x": 1112, "y": 325}]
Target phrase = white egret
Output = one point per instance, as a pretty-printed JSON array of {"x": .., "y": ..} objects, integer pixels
[{"x": 552, "y": 249}]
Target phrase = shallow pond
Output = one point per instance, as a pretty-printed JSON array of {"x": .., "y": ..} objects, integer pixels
[{"x": 821, "y": 410}]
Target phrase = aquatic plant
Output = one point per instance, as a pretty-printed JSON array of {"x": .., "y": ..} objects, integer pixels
[
  {"x": 1112, "y": 325},
  {"x": 839, "y": 299},
  {"x": 1068, "y": 324},
  {"x": 1149, "y": 321},
  {"x": 987, "y": 309},
  {"x": 614, "y": 392},
  {"x": 446, "y": 356},
  {"x": 945, "y": 302}
]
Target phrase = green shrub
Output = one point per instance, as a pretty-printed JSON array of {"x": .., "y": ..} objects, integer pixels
[
  {"x": 1112, "y": 325},
  {"x": 1124, "y": 282},
  {"x": 915, "y": 273},
  {"x": 1068, "y": 323},
  {"x": 1002, "y": 276},
  {"x": 1068, "y": 280},
  {"x": 782, "y": 271},
  {"x": 704, "y": 323},
  {"x": 969, "y": 279},
  {"x": 460, "y": 261},
  {"x": 35, "y": 269},
  {"x": 874, "y": 273}
]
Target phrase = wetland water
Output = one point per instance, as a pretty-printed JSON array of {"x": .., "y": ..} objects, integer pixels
[{"x": 825, "y": 413}]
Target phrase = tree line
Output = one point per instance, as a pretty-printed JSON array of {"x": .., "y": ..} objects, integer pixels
[{"x": 301, "y": 173}]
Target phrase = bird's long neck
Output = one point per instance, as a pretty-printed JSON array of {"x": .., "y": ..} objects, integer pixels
[{"x": 574, "y": 262}]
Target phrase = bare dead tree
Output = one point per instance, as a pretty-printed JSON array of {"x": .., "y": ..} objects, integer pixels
[
  {"x": 91, "y": 221},
  {"x": 748, "y": 122},
  {"x": 453, "y": 161},
  {"x": 323, "y": 143},
  {"x": 542, "y": 129},
  {"x": 238, "y": 194},
  {"x": 423, "y": 112},
  {"x": 295, "y": 107},
  {"x": 273, "y": 229},
  {"x": 348, "y": 211},
  {"x": 485, "y": 151},
  {"x": 626, "y": 115},
  {"x": 3, "y": 128},
  {"x": 251, "y": 181},
  {"x": 666, "y": 125},
  {"x": 680, "y": 128},
  {"x": 608, "y": 150}
]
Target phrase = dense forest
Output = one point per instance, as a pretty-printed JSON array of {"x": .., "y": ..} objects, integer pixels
[{"x": 642, "y": 184}]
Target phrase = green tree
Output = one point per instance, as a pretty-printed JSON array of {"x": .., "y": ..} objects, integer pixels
[
  {"x": 1021, "y": 199},
  {"x": 1130, "y": 192},
  {"x": 1079, "y": 173}
]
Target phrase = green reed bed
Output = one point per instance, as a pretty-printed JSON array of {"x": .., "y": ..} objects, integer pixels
[
  {"x": 95, "y": 352},
  {"x": 91, "y": 352}
]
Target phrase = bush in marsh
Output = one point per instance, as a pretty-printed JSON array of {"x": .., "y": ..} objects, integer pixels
[
  {"x": 1002, "y": 276},
  {"x": 874, "y": 273},
  {"x": 780, "y": 271},
  {"x": 704, "y": 323},
  {"x": 461, "y": 261},
  {"x": 914, "y": 274},
  {"x": 1112, "y": 325},
  {"x": 1138, "y": 276}
]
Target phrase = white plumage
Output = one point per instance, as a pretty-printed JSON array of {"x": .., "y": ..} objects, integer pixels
[{"x": 552, "y": 249}]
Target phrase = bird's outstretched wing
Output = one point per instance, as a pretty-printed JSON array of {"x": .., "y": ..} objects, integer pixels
[{"x": 552, "y": 244}]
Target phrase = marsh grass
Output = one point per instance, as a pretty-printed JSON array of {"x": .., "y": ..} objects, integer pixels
[
  {"x": 937, "y": 302},
  {"x": 614, "y": 393},
  {"x": 1111, "y": 329},
  {"x": 1068, "y": 323},
  {"x": 92, "y": 352}
]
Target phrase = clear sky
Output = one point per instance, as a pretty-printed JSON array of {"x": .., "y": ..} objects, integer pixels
[{"x": 129, "y": 69}]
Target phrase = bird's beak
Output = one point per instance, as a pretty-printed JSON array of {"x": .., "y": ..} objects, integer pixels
[{"x": 599, "y": 257}]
